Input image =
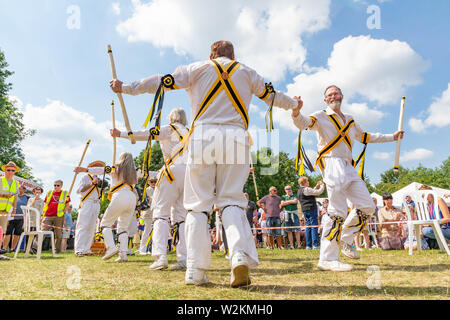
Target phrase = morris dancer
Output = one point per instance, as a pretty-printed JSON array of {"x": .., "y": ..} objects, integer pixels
[
  {"x": 335, "y": 133},
  {"x": 168, "y": 196},
  {"x": 121, "y": 207},
  {"x": 220, "y": 91},
  {"x": 89, "y": 189}
]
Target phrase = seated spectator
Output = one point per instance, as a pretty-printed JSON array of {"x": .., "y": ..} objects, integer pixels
[
  {"x": 271, "y": 204},
  {"x": 391, "y": 232},
  {"x": 444, "y": 216}
]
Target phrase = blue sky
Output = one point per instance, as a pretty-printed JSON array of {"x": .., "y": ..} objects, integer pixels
[{"x": 62, "y": 74}]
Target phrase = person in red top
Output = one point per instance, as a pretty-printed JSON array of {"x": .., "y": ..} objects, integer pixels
[{"x": 56, "y": 205}]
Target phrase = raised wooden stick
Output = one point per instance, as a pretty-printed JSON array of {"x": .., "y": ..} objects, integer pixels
[
  {"x": 400, "y": 127},
  {"x": 119, "y": 96},
  {"x": 79, "y": 165},
  {"x": 114, "y": 138},
  {"x": 252, "y": 169}
]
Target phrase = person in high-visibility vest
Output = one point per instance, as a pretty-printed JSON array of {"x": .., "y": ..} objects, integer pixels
[
  {"x": 8, "y": 200},
  {"x": 55, "y": 206}
]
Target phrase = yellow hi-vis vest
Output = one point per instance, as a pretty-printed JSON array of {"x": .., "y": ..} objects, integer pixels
[
  {"x": 61, "y": 203},
  {"x": 5, "y": 203}
]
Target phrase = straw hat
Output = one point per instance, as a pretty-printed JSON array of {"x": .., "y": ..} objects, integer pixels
[
  {"x": 10, "y": 164},
  {"x": 96, "y": 163}
]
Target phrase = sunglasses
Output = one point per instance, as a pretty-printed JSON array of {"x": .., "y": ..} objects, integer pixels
[
  {"x": 10, "y": 170},
  {"x": 152, "y": 181},
  {"x": 288, "y": 189},
  {"x": 57, "y": 185}
]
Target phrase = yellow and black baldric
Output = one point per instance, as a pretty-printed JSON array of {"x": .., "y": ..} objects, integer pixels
[
  {"x": 342, "y": 135},
  {"x": 224, "y": 76},
  {"x": 89, "y": 192},
  {"x": 268, "y": 89},
  {"x": 118, "y": 187}
]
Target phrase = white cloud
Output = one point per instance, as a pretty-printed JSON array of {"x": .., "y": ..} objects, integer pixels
[
  {"x": 116, "y": 8},
  {"x": 438, "y": 114},
  {"x": 362, "y": 114},
  {"x": 61, "y": 135},
  {"x": 267, "y": 34},
  {"x": 417, "y": 154},
  {"x": 382, "y": 155},
  {"x": 374, "y": 71}
]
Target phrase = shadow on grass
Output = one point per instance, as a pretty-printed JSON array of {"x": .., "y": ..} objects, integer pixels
[{"x": 361, "y": 291}]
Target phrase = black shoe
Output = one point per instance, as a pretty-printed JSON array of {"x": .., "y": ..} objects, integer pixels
[{"x": 2, "y": 251}]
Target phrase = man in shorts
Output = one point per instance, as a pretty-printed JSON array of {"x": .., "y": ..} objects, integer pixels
[{"x": 271, "y": 204}]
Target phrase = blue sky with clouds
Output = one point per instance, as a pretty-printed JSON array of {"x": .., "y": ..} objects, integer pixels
[{"x": 57, "y": 50}]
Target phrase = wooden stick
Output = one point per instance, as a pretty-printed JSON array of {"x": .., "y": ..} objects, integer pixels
[
  {"x": 119, "y": 96},
  {"x": 254, "y": 178},
  {"x": 79, "y": 165},
  {"x": 400, "y": 127},
  {"x": 114, "y": 138}
]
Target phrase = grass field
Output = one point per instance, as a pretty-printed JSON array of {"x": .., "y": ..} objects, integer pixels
[{"x": 287, "y": 274}]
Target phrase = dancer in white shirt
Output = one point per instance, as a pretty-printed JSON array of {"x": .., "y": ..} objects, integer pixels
[
  {"x": 336, "y": 133},
  {"x": 122, "y": 205},
  {"x": 220, "y": 91},
  {"x": 89, "y": 189}
]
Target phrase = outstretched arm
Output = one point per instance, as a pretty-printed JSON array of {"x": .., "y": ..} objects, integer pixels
[
  {"x": 375, "y": 137},
  {"x": 301, "y": 121},
  {"x": 146, "y": 85}
]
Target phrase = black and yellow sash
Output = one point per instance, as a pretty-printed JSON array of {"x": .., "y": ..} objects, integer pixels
[
  {"x": 223, "y": 81},
  {"x": 118, "y": 187},
  {"x": 166, "y": 168},
  {"x": 336, "y": 229},
  {"x": 301, "y": 158},
  {"x": 342, "y": 135},
  {"x": 89, "y": 192}
]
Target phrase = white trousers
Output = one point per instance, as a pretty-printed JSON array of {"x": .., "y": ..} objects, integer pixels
[
  {"x": 168, "y": 203},
  {"x": 343, "y": 183},
  {"x": 213, "y": 177},
  {"x": 147, "y": 231},
  {"x": 86, "y": 225},
  {"x": 132, "y": 227},
  {"x": 120, "y": 209}
]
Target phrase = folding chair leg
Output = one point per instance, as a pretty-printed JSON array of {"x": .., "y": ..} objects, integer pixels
[
  {"x": 419, "y": 240},
  {"x": 18, "y": 244},
  {"x": 29, "y": 243},
  {"x": 52, "y": 238},
  {"x": 39, "y": 249}
]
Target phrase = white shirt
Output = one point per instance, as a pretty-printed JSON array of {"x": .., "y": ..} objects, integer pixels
[
  {"x": 326, "y": 131},
  {"x": 84, "y": 182},
  {"x": 197, "y": 78},
  {"x": 307, "y": 191},
  {"x": 168, "y": 140}
]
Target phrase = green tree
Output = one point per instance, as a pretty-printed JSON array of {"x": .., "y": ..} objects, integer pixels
[
  {"x": 12, "y": 129},
  {"x": 274, "y": 170},
  {"x": 156, "y": 162}
]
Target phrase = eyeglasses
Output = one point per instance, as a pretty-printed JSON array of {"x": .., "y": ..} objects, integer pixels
[
  {"x": 10, "y": 170},
  {"x": 288, "y": 189},
  {"x": 152, "y": 181},
  {"x": 57, "y": 185}
]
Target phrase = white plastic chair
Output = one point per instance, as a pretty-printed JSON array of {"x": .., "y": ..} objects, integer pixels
[
  {"x": 28, "y": 211},
  {"x": 423, "y": 218}
]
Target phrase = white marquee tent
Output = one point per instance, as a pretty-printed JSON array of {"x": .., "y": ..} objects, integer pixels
[{"x": 413, "y": 187}]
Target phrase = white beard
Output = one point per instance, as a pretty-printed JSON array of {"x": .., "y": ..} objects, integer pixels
[{"x": 335, "y": 105}]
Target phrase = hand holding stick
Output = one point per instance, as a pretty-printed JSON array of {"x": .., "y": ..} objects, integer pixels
[
  {"x": 400, "y": 128},
  {"x": 119, "y": 96}
]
